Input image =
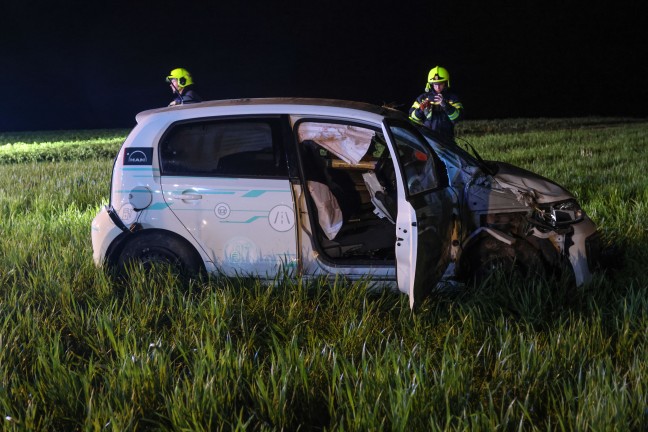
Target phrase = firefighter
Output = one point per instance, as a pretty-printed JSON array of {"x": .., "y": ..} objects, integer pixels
[
  {"x": 182, "y": 87},
  {"x": 437, "y": 108}
]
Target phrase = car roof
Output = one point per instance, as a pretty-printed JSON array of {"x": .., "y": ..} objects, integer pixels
[{"x": 294, "y": 106}]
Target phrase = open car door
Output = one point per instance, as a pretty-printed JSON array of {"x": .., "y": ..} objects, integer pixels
[{"x": 425, "y": 213}]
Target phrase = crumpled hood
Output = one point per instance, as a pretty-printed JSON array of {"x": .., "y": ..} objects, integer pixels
[{"x": 529, "y": 184}]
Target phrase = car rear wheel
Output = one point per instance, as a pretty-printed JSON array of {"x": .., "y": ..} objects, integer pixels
[{"x": 157, "y": 249}]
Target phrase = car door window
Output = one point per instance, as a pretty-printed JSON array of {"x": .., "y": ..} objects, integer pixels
[
  {"x": 241, "y": 148},
  {"x": 419, "y": 163}
]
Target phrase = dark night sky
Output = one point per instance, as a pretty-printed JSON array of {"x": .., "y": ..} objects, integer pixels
[{"x": 86, "y": 64}]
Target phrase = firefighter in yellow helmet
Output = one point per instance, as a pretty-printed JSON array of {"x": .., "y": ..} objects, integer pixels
[
  {"x": 438, "y": 108},
  {"x": 182, "y": 87}
]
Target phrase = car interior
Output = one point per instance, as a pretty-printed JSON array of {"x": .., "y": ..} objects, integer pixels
[{"x": 358, "y": 230}]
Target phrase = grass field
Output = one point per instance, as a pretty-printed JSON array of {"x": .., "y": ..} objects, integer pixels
[{"x": 79, "y": 351}]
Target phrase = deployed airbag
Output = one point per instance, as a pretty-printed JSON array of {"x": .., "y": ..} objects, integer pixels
[
  {"x": 349, "y": 143},
  {"x": 329, "y": 214}
]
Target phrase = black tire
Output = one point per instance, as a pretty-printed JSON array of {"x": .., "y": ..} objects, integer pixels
[
  {"x": 160, "y": 249},
  {"x": 491, "y": 256}
]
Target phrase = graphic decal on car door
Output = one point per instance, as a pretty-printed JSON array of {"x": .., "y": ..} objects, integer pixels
[{"x": 227, "y": 183}]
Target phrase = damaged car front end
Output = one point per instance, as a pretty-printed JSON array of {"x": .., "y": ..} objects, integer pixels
[{"x": 512, "y": 217}]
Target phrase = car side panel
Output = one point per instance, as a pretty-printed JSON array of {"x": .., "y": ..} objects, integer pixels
[{"x": 245, "y": 226}]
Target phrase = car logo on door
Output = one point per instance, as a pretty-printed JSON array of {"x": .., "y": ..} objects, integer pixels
[{"x": 138, "y": 156}]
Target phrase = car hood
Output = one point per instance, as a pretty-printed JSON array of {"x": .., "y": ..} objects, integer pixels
[
  {"x": 529, "y": 185},
  {"x": 492, "y": 185}
]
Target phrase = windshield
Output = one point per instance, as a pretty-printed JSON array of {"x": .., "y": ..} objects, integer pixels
[{"x": 448, "y": 150}]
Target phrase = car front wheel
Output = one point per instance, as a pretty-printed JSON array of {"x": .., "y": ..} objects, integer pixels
[{"x": 490, "y": 256}]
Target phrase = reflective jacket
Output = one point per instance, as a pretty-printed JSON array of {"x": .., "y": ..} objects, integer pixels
[{"x": 436, "y": 117}]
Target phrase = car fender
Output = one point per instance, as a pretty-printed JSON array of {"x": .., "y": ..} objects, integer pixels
[
  {"x": 463, "y": 269},
  {"x": 481, "y": 231}
]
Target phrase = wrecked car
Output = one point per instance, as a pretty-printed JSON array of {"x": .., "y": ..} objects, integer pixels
[{"x": 314, "y": 187}]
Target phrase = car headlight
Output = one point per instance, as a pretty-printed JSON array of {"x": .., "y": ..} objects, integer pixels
[{"x": 559, "y": 214}]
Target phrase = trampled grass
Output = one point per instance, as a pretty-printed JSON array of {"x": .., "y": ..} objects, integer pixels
[{"x": 80, "y": 351}]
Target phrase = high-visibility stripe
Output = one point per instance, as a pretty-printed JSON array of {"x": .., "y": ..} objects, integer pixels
[
  {"x": 415, "y": 120},
  {"x": 456, "y": 112},
  {"x": 415, "y": 116}
]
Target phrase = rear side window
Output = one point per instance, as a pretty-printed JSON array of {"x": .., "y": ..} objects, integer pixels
[{"x": 234, "y": 148}]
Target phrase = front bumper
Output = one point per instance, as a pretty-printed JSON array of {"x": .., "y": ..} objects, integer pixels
[{"x": 584, "y": 251}]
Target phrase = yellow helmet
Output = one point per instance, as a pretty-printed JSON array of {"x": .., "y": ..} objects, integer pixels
[
  {"x": 437, "y": 74},
  {"x": 182, "y": 75}
]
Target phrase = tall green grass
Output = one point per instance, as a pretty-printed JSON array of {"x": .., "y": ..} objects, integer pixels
[
  {"x": 56, "y": 146},
  {"x": 80, "y": 351}
]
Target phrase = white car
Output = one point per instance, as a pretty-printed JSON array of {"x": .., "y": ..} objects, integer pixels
[{"x": 319, "y": 187}]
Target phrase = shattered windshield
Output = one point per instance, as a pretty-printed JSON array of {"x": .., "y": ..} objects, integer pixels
[{"x": 448, "y": 150}]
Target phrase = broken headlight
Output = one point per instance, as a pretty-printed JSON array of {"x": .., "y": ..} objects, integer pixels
[{"x": 559, "y": 214}]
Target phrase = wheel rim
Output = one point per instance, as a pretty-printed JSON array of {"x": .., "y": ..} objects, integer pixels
[{"x": 153, "y": 257}]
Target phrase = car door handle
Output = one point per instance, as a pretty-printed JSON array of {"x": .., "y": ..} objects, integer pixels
[{"x": 186, "y": 197}]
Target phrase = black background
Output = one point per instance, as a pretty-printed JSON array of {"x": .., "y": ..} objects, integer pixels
[{"x": 86, "y": 64}]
